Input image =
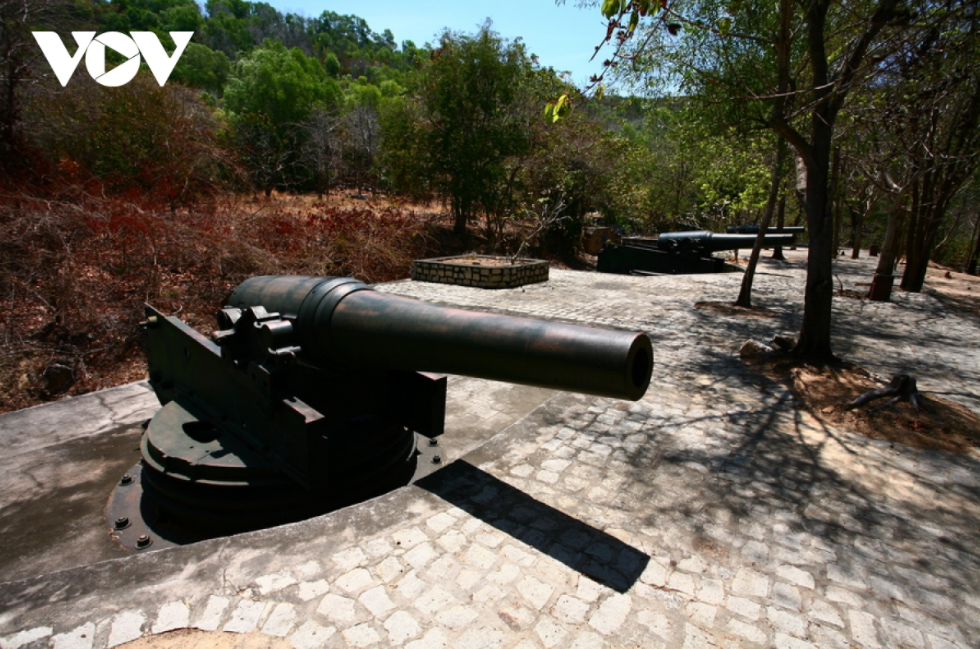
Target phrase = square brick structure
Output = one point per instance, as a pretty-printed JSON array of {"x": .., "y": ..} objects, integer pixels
[{"x": 484, "y": 272}]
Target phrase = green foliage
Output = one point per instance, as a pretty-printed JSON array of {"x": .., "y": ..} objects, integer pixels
[
  {"x": 556, "y": 110},
  {"x": 284, "y": 85},
  {"x": 139, "y": 136},
  {"x": 271, "y": 92},
  {"x": 404, "y": 158},
  {"x": 364, "y": 94},
  {"x": 358, "y": 50},
  {"x": 201, "y": 67},
  {"x": 156, "y": 15},
  {"x": 587, "y": 169},
  {"x": 331, "y": 64},
  {"x": 227, "y": 32},
  {"x": 474, "y": 98}
]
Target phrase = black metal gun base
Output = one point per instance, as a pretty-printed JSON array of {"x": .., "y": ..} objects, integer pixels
[
  {"x": 309, "y": 398},
  {"x": 644, "y": 260},
  {"x": 197, "y": 482}
]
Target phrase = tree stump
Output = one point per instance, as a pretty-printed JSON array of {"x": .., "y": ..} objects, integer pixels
[{"x": 902, "y": 387}]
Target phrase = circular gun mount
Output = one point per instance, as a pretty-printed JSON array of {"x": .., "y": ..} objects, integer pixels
[{"x": 312, "y": 393}]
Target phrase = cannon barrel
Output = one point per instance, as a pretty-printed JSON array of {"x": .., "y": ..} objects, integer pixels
[
  {"x": 754, "y": 229},
  {"x": 343, "y": 321},
  {"x": 702, "y": 242}
]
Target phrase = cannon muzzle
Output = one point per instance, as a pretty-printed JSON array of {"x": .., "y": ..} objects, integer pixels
[{"x": 340, "y": 321}]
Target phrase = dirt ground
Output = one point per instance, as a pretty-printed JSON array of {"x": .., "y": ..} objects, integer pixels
[
  {"x": 733, "y": 311},
  {"x": 956, "y": 290},
  {"x": 941, "y": 425}
]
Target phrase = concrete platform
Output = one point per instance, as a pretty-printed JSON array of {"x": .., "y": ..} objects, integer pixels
[{"x": 712, "y": 513}]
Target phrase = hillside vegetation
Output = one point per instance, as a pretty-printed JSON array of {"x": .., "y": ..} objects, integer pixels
[{"x": 316, "y": 145}]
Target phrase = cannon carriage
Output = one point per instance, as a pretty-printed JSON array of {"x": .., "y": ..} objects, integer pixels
[{"x": 679, "y": 253}]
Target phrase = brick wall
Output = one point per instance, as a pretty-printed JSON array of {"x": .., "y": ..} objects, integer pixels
[{"x": 444, "y": 270}]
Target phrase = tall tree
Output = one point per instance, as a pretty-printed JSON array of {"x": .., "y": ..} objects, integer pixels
[
  {"x": 21, "y": 63},
  {"x": 319, "y": 150},
  {"x": 271, "y": 93},
  {"x": 756, "y": 54},
  {"x": 477, "y": 116},
  {"x": 283, "y": 84},
  {"x": 919, "y": 127},
  {"x": 943, "y": 121}
]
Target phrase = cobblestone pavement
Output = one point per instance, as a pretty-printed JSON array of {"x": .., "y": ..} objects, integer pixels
[{"x": 711, "y": 513}]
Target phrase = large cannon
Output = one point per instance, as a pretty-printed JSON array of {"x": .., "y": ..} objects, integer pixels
[
  {"x": 679, "y": 252},
  {"x": 703, "y": 243},
  {"x": 313, "y": 394}
]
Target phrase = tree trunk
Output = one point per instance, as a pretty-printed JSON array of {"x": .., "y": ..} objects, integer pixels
[
  {"x": 835, "y": 197},
  {"x": 777, "y": 252},
  {"x": 932, "y": 209},
  {"x": 814, "y": 345},
  {"x": 460, "y": 218},
  {"x": 884, "y": 279},
  {"x": 912, "y": 227},
  {"x": 745, "y": 293},
  {"x": 974, "y": 258},
  {"x": 827, "y": 93},
  {"x": 857, "y": 232},
  {"x": 914, "y": 277}
]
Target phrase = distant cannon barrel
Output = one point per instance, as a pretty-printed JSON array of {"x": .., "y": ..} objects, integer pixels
[
  {"x": 754, "y": 229},
  {"x": 343, "y": 321},
  {"x": 702, "y": 242}
]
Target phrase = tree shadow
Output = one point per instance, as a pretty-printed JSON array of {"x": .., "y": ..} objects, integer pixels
[{"x": 890, "y": 520}]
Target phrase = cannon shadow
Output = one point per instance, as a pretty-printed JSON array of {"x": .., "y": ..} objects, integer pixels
[{"x": 591, "y": 552}]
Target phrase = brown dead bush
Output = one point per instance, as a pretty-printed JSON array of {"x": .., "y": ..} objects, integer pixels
[{"x": 78, "y": 267}]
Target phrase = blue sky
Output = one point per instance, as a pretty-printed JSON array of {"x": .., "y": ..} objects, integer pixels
[{"x": 563, "y": 37}]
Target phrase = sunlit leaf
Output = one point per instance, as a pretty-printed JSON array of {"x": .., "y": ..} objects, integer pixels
[{"x": 611, "y": 8}]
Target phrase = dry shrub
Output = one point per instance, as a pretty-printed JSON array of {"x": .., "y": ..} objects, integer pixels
[{"x": 78, "y": 266}]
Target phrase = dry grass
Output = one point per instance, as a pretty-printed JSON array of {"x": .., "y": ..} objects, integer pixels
[
  {"x": 731, "y": 310},
  {"x": 77, "y": 269},
  {"x": 79, "y": 265}
]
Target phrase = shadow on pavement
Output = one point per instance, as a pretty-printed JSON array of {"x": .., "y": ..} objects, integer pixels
[{"x": 593, "y": 553}]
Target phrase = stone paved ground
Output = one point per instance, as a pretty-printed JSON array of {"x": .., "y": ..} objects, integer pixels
[{"x": 711, "y": 513}]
